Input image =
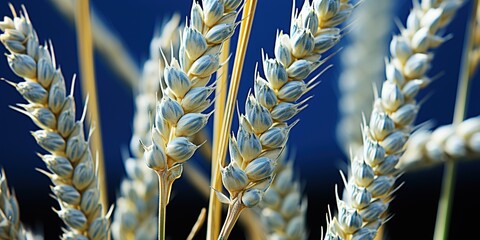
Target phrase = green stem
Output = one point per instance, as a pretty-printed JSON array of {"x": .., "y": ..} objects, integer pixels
[
  {"x": 445, "y": 203},
  {"x": 444, "y": 211}
]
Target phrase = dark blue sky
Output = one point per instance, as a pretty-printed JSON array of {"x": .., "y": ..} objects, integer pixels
[{"x": 318, "y": 155}]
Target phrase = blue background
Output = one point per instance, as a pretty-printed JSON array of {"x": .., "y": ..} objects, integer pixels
[{"x": 318, "y": 155}]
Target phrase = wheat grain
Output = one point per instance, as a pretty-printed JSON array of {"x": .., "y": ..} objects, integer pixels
[
  {"x": 263, "y": 130},
  {"x": 363, "y": 66},
  {"x": 69, "y": 160},
  {"x": 283, "y": 208},
  {"x": 135, "y": 214},
  {"x": 446, "y": 143},
  {"x": 372, "y": 176}
]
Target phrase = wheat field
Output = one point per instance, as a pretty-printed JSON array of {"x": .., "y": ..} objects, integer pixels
[{"x": 309, "y": 81}]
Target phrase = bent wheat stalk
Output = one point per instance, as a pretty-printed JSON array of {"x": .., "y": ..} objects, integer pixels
[
  {"x": 372, "y": 175},
  {"x": 135, "y": 216},
  {"x": 445, "y": 143},
  {"x": 107, "y": 42},
  {"x": 284, "y": 211},
  {"x": 69, "y": 160},
  {"x": 179, "y": 112},
  {"x": 263, "y": 130}
]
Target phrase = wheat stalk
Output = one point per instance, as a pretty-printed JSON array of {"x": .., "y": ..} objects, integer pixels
[
  {"x": 363, "y": 66},
  {"x": 87, "y": 71},
  {"x": 135, "y": 214},
  {"x": 283, "y": 208},
  {"x": 372, "y": 176},
  {"x": 263, "y": 130},
  {"x": 69, "y": 160},
  {"x": 445, "y": 143},
  {"x": 179, "y": 112}
]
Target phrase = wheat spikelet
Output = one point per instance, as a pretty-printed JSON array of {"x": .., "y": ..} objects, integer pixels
[
  {"x": 363, "y": 66},
  {"x": 446, "y": 143},
  {"x": 69, "y": 160},
  {"x": 178, "y": 113},
  {"x": 263, "y": 130},
  {"x": 283, "y": 208},
  {"x": 135, "y": 214},
  {"x": 148, "y": 90},
  {"x": 372, "y": 176}
]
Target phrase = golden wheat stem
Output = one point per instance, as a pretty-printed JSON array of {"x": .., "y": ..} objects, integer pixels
[
  {"x": 85, "y": 49},
  {"x": 214, "y": 209},
  {"x": 198, "y": 224},
  {"x": 444, "y": 211},
  {"x": 220, "y": 96}
]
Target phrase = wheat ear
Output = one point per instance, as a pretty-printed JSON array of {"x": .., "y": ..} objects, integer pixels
[
  {"x": 446, "y": 143},
  {"x": 69, "y": 160},
  {"x": 10, "y": 225},
  {"x": 370, "y": 184},
  {"x": 263, "y": 130},
  {"x": 362, "y": 67},
  {"x": 284, "y": 210},
  {"x": 179, "y": 112},
  {"x": 135, "y": 216}
]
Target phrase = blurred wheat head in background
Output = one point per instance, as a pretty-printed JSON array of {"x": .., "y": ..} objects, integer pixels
[{"x": 186, "y": 80}]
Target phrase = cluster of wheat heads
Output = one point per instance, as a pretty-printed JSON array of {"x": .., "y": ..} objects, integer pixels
[{"x": 174, "y": 92}]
